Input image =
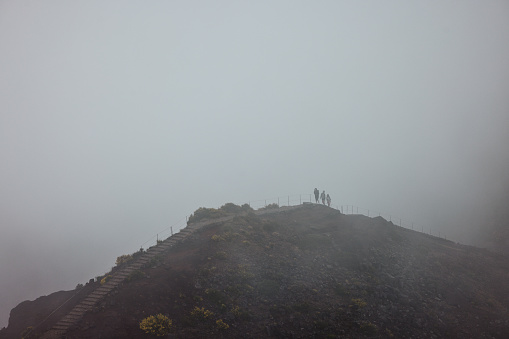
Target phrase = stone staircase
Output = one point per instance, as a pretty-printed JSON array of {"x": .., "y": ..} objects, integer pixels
[{"x": 74, "y": 316}]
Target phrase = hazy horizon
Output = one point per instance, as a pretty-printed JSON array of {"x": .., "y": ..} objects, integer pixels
[{"x": 119, "y": 119}]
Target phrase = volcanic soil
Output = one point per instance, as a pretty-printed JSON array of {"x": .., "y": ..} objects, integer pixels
[{"x": 311, "y": 272}]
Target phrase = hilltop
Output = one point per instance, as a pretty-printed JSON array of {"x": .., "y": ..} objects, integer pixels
[{"x": 301, "y": 273}]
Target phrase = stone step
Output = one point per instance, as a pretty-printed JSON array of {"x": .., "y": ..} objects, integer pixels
[
  {"x": 123, "y": 274},
  {"x": 89, "y": 300},
  {"x": 139, "y": 263},
  {"x": 155, "y": 249},
  {"x": 163, "y": 246},
  {"x": 73, "y": 318},
  {"x": 65, "y": 322},
  {"x": 111, "y": 284},
  {"x": 69, "y": 320},
  {"x": 83, "y": 308},
  {"x": 158, "y": 251},
  {"x": 166, "y": 248},
  {"x": 76, "y": 313},
  {"x": 102, "y": 292},
  {"x": 117, "y": 279},
  {"x": 93, "y": 296},
  {"x": 87, "y": 306}
]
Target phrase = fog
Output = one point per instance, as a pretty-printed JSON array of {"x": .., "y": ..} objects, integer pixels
[{"x": 120, "y": 118}]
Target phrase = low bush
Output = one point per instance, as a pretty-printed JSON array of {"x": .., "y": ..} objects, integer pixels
[
  {"x": 231, "y": 208},
  {"x": 105, "y": 279},
  {"x": 159, "y": 325},
  {"x": 123, "y": 259},
  {"x": 201, "y": 313},
  {"x": 135, "y": 275},
  {"x": 222, "y": 325},
  {"x": 205, "y": 213},
  {"x": 358, "y": 303},
  {"x": 270, "y": 207}
]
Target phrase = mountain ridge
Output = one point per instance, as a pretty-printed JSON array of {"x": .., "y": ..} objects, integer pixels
[{"x": 310, "y": 271}]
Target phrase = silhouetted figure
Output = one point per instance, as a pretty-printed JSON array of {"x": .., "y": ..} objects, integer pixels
[
  {"x": 317, "y": 193},
  {"x": 328, "y": 200},
  {"x": 323, "y": 197}
]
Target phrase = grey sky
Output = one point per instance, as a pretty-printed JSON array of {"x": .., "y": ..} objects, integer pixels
[{"x": 118, "y": 118}]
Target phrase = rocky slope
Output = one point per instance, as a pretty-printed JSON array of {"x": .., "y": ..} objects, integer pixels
[{"x": 310, "y": 272}]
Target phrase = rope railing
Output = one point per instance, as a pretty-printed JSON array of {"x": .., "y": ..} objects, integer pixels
[
  {"x": 36, "y": 327},
  {"x": 167, "y": 232}
]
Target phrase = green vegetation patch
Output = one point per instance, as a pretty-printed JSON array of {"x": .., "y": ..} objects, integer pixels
[
  {"x": 270, "y": 207},
  {"x": 204, "y": 213},
  {"x": 123, "y": 259},
  {"x": 231, "y": 208},
  {"x": 135, "y": 275}
]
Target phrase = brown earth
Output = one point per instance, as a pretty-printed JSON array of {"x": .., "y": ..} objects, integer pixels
[{"x": 307, "y": 273}]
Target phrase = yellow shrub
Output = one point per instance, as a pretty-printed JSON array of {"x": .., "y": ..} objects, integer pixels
[
  {"x": 222, "y": 325},
  {"x": 359, "y": 303},
  {"x": 105, "y": 279},
  {"x": 159, "y": 325},
  {"x": 201, "y": 313},
  {"x": 124, "y": 258}
]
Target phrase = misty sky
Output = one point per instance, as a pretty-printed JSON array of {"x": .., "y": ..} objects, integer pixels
[{"x": 119, "y": 118}]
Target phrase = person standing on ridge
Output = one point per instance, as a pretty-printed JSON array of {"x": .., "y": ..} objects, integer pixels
[
  {"x": 328, "y": 200},
  {"x": 323, "y": 197},
  {"x": 316, "y": 194}
]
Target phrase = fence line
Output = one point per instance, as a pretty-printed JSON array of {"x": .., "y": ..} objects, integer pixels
[{"x": 299, "y": 199}]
